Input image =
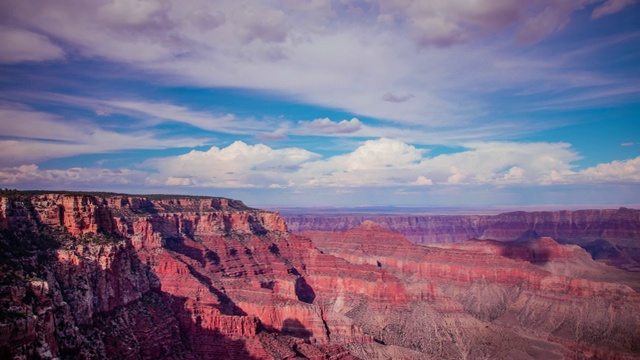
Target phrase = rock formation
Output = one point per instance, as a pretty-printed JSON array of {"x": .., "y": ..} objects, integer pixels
[
  {"x": 140, "y": 277},
  {"x": 113, "y": 276},
  {"x": 491, "y": 299},
  {"x": 612, "y": 236}
]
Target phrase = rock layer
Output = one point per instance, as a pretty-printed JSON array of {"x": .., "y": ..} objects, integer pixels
[
  {"x": 118, "y": 276},
  {"x": 173, "y": 277},
  {"x": 489, "y": 299},
  {"x": 609, "y": 235}
]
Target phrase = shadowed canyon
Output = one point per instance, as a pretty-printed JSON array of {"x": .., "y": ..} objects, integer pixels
[{"x": 110, "y": 276}]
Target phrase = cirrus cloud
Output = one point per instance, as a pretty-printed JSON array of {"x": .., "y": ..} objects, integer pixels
[{"x": 20, "y": 45}]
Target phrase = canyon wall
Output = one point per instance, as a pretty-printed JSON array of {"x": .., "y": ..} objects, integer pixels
[
  {"x": 106, "y": 276},
  {"x": 113, "y": 276},
  {"x": 610, "y": 235},
  {"x": 490, "y": 299}
]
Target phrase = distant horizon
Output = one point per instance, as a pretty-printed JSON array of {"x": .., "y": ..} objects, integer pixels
[
  {"x": 440, "y": 210},
  {"x": 419, "y": 209}
]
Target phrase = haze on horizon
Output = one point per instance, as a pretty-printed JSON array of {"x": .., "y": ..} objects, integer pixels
[{"x": 325, "y": 103}]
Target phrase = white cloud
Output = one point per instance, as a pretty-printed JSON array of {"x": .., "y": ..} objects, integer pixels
[
  {"x": 227, "y": 123},
  {"x": 277, "y": 134},
  {"x": 324, "y": 52},
  {"x": 386, "y": 162},
  {"x": 20, "y": 45},
  {"x": 262, "y": 23},
  {"x": 514, "y": 174},
  {"x": 615, "y": 171},
  {"x": 32, "y": 175},
  {"x": 37, "y": 136},
  {"x": 375, "y": 163},
  {"x": 423, "y": 181},
  {"x": 327, "y": 127},
  {"x": 150, "y": 113},
  {"x": 133, "y": 12},
  {"x": 237, "y": 165}
]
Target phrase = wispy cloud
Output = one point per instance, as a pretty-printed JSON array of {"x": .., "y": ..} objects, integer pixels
[
  {"x": 611, "y": 7},
  {"x": 291, "y": 49},
  {"x": 33, "y": 136},
  {"x": 33, "y": 176},
  {"x": 371, "y": 84},
  {"x": 20, "y": 45},
  {"x": 278, "y": 134},
  {"x": 225, "y": 123}
]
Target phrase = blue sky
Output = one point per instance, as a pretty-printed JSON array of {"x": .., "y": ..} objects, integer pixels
[{"x": 320, "y": 102}]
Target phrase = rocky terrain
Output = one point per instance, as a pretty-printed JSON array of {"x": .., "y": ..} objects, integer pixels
[
  {"x": 612, "y": 236},
  {"x": 97, "y": 276},
  {"x": 496, "y": 296}
]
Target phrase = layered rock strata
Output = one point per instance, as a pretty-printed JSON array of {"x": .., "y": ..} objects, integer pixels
[
  {"x": 118, "y": 276},
  {"x": 490, "y": 299},
  {"x": 612, "y": 236},
  {"x": 113, "y": 276}
]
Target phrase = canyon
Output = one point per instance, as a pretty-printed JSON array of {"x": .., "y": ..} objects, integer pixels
[
  {"x": 97, "y": 276},
  {"x": 612, "y": 236}
]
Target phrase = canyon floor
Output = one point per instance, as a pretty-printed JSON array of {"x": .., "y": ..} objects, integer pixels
[{"x": 110, "y": 276}]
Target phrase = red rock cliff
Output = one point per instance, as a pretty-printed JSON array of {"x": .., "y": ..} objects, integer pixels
[
  {"x": 103, "y": 276},
  {"x": 164, "y": 277}
]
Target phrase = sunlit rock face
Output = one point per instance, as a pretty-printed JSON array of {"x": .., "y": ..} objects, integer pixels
[
  {"x": 118, "y": 276},
  {"x": 493, "y": 299},
  {"x": 110, "y": 276},
  {"x": 612, "y": 236}
]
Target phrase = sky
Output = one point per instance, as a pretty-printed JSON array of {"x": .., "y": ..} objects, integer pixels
[{"x": 325, "y": 102}]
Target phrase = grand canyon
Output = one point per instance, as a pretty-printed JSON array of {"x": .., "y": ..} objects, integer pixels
[{"x": 100, "y": 276}]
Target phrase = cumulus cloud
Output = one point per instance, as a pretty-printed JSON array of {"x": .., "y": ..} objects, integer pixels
[
  {"x": 20, "y": 45},
  {"x": 375, "y": 163},
  {"x": 423, "y": 181},
  {"x": 381, "y": 162},
  {"x": 326, "y": 126},
  {"x": 237, "y": 165},
  {"x": 386, "y": 162},
  {"x": 616, "y": 171}
]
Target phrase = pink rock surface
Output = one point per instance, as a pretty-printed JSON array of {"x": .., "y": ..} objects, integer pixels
[{"x": 88, "y": 276}]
